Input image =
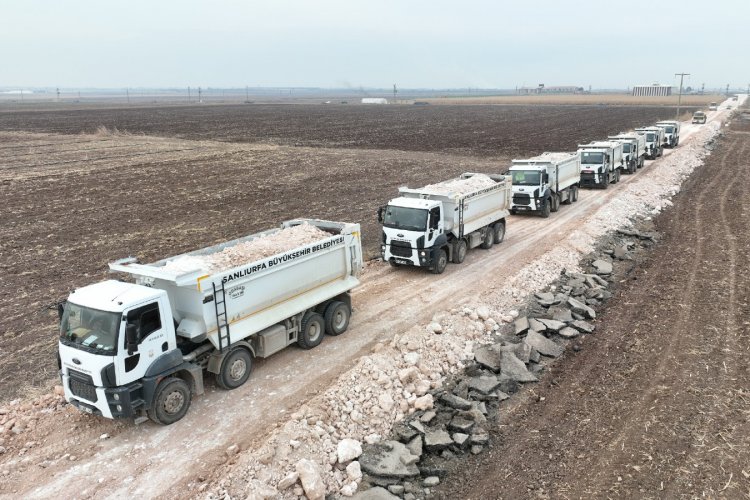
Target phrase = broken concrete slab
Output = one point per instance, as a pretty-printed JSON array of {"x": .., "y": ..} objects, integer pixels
[
  {"x": 515, "y": 369},
  {"x": 569, "y": 332},
  {"x": 543, "y": 345},
  {"x": 460, "y": 424},
  {"x": 536, "y": 325},
  {"x": 461, "y": 439},
  {"x": 389, "y": 459},
  {"x": 621, "y": 252},
  {"x": 602, "y": 266},
  {"x": 436, "y": 440},
  {"x": 484, "y": 384},
  {"x": 559, "y": 313},
  {"x": 521, "y": 325},
  {"x": 582, "y": 326},
  {"x": 487, "y": 357},
  {"x": 551, "y": 324},
  {"x": 581, "y": 308},
  {"x": 456, "y": 402}
]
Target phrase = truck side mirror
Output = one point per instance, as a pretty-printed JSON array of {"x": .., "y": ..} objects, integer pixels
[
  {"x": 131, "y": 338},
  {"x": 60, "y": 310},
  {"x": 380, "y": 214},
  {"x": 545, "y": 177}
]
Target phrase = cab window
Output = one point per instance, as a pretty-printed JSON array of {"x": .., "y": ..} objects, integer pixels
[{"x": 146, "y": 320}]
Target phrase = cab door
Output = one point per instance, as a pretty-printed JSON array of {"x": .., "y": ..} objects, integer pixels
[
  {"x": 434, "y": 225},
  {"x": 152, "y": 341}
]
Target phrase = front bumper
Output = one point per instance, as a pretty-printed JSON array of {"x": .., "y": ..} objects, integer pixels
[
  {"x": 593, "y": 179},
  {"x": 111, "y": 402},
  {"x": 418, "y": 257}
]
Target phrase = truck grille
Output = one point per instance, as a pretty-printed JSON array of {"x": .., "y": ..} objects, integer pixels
[
  {"x": 401, "y": 248},
  {"x": 521, "y": 199},
  {"x": 82, "y": 385}
]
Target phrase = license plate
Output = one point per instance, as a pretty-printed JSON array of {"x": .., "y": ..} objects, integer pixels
[{"x": 403, "y": 261}]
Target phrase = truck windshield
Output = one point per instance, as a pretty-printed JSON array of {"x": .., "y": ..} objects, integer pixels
[
  {"x": 591, "y": 158},
  {"x": 91, "y": 329},
  {"x": 669, "y": 130},
  {"x": 526, "y": 177},
  {"x": 626, "y": 148},
  {"x": 410, "y": 219},
  {"x": 651, "y": 137}
]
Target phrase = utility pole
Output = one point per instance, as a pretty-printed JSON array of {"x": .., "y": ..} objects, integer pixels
[
  {"x": 127, "y": 93},
  {"x": 247, "y": 93},
  {"x": 199, "y": 95},
  {"x": 395, "y": 91},
  {"x": 679, "y": 97},
  {"x": 188, "y": 94},
  {"x": 58, "y": 94},
  {"x": 727, "y": 90}
]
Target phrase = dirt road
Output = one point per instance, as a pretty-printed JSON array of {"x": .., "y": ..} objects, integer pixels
[
  {"x": 657, "y": 405},
  {"x": 150, "y": 460}
]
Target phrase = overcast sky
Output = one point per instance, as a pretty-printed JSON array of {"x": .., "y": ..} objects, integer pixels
[{"x": 342, "y": 43}]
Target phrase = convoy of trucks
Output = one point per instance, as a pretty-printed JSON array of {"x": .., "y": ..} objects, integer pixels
[
  {"x": 633, "y": 150},
  {"x": 654, "y": 141},
  {"x": 139, "y": 349},
  {"x": 429, "y": 226},
  {"x": 542, "y": 183},
  {"x": 671, "y": 132},
  {"x": 601, "y": 163},
  {"x": 136, "y": 349}
]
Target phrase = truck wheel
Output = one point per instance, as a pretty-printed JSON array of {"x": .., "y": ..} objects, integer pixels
[
  {"x": 555, "y": 203},
  {"x": 235, "y": 369},
  {"x": 573, "y": 194},
  {"x": 171, "y": 401},
  {"x": 489, "y": 238},
  {"x": 545, "y": 209},
  {"x": 393, "y": 263},
  {"x": 459, "y": 252},
  {"x": 617, "y": 176},
  {"x": 337, "y": 318},
  {"x": 441, "y": 261},
  {"x": 311, "y": 334},
  {"x": 499, "y": 233}
]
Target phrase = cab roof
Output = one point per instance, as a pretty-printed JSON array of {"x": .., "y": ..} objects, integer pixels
[
  {"x": 112, "y": 295},
  {"x": 413, "y": 202}
]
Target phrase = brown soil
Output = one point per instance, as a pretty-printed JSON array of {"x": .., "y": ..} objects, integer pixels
[{"x": 657, "y": 404}]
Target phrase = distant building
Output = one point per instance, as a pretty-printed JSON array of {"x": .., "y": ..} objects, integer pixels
[
  {"x": 554, "y": 89},
  {"x": 374, "y": 100},
  {"x": 652, "y": 90}
]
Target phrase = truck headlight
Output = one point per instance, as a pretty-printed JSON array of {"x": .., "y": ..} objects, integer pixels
[
  {"x": 119, "y": 408},
  {"x": 422, "y": 253},
  {"x": 116, "y": 397}
]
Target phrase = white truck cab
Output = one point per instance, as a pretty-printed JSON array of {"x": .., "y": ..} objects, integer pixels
[{"x": 671, "y": 132}]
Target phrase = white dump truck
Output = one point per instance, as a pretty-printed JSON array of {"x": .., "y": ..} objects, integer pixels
[
  {"x": 699, "y": 117},
  {"x": 542, "y": 183},
  {"x": 633, "y": 150},
  {"x": 654, "y": 141},
  {"x": 671, "y": 132},
  {"x": 426, "y": 227},
  {"x": 601, "y": 163},
  {"x": 135, "y": 349}
]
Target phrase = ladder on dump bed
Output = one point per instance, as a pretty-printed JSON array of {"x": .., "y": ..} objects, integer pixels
[{"x": 222, "y": 321}]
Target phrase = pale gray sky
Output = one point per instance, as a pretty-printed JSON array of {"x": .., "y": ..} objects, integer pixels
[{"x": 339, "y": 43}]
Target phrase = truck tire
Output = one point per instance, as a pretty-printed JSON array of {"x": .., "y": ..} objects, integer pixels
[
  {"x": 393, "y": 263},
  {"x": 459, "y": 251},
  {"x": 441, "y": 261},
  {"x": 544, "y": 212},
  {"x": 573, "y": 194},
  {"x": 171, "y": 401},
  {"x": 311, "y": 334},
  {"x": 499, "y": 232},
  {"x": 337, "y": 318},
  {"x": 489, "y": 238},
  {"x": 616, "y": 177},
  {"x": 235, "y": 369},
  {"x": 555, "y": 203}
]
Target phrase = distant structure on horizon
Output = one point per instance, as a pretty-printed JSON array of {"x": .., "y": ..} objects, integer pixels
[
  {"x": 553, "y": 89},
  {"x": 652, "y": 90},
  {"x": 374, "y": 100}
]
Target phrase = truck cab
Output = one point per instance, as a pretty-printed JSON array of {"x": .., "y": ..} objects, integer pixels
[
  {"x": 601, "y": 162},
  {"x": 654, "y": 141},
  {"x": 633, "y": 150},
  {"x": 411, "y": 230},
  {"x": 699, "y": 117},
  {"x": 113, "y": 337},
  {"x": 671, "y": 132},
  {"x": 713, "y": 106}
]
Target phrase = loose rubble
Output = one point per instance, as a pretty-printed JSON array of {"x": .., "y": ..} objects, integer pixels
[
  {"x": 265, "y": 245},
  {"x": 460, "y": 186}
]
